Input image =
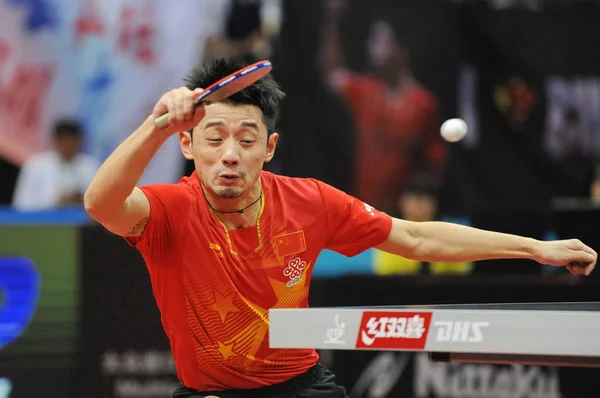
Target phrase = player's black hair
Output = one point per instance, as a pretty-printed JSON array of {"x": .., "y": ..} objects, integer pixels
[
  {"x": 66, "y": 128},
  {"x": 266, "y": 93}
]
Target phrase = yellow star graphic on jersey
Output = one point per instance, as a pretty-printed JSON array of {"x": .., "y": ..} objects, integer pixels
[
  {"x": 223, "y": 305},
  {"x": 249, "y": 340},
  {"x": 226, "y": 350}
]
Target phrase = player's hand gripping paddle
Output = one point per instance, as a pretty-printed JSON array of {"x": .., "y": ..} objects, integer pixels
[{"x": 227, "y": 86}]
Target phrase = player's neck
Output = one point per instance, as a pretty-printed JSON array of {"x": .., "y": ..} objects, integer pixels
[{"x": 237, "y": 213}]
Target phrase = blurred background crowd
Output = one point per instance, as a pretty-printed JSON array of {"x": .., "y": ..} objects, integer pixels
[{"x": 368, "y": 85}]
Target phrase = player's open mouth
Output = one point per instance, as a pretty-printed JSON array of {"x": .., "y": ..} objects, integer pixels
[{"x": 229, "y": 177}]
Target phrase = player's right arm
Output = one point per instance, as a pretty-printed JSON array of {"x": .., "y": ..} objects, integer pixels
[{"x": 112, "y": 197}]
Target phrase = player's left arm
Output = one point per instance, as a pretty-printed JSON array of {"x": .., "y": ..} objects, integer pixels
[{"x": 441, "y": 241}]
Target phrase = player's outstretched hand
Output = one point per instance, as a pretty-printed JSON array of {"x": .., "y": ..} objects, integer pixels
[
  {"x": 183, "y": 112},
  {"x": 572, "y": 253}
]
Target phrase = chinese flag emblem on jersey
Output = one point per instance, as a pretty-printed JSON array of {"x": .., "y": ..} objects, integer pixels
[{"x": 289, "y": 244}]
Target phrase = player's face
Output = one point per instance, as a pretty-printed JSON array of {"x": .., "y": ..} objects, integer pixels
[{"x": 229, "y": 148}]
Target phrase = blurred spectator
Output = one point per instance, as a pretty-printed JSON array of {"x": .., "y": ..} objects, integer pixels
[
  {"x": 57, "y": 177},
  {"x": 417, "y": 203},
  {"x": 595, "y": 185},
  {"x": 249, "y": 29},
  {"x": 396, "y": 117}
]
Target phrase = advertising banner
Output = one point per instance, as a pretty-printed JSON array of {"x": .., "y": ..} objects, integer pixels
[
  {"x": 38, "y": 310},
  {"x": 124, "y": 351}
]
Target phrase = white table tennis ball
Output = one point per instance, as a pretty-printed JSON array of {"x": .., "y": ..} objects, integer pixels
[{"x": 454, "y": 130}]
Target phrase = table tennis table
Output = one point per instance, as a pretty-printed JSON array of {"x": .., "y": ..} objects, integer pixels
[{"x": 550, "y": 334}]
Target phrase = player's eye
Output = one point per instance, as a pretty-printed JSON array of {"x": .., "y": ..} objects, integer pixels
[{"x": 214, "y": 139}]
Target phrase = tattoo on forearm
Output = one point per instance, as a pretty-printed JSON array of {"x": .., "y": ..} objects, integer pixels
[{"x": 138, "y": 229}]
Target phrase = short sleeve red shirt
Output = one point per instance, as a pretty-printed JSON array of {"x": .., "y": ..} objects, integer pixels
[{"x": 214, "y": 287}]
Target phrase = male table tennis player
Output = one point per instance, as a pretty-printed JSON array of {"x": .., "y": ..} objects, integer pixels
[{"x": 230, "y": 241}]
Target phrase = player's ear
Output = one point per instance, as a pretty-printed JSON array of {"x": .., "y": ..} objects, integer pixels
[
  {"x": 185, "y": 143},
  {"x": 271, "y": 145}
]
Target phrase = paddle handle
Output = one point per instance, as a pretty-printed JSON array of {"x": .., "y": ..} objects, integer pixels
[{"x": 162, "y": 121}]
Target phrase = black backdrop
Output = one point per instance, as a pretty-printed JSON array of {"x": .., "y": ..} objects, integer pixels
[{"x": 527, "y": 82}]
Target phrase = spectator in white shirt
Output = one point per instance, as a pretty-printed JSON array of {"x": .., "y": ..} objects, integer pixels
[{"x": 58, "y": 177}]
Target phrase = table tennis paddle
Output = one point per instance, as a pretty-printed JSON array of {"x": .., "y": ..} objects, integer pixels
[{"x": 227, "y": 86}]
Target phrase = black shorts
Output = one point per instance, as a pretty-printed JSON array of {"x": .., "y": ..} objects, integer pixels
[{"x": 317, "y": 382}]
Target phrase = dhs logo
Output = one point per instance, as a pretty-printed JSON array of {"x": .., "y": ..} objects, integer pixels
[{"x": 459, "y": 331}]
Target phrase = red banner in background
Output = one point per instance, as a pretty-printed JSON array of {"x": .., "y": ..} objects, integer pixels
[
  {"x": 103, "y": 63},
  {"x": 24, "y": 88}
]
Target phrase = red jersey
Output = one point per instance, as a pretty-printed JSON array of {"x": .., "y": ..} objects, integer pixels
[{"x": 214, "y": 287}]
